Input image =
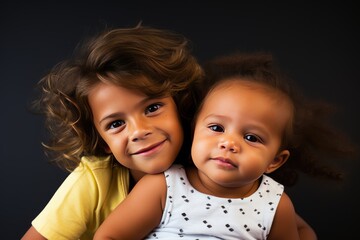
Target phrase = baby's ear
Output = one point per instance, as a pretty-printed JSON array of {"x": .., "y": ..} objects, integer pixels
[{"x": 278, "y": 161}]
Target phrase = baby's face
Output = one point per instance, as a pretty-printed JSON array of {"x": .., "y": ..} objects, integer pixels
[
  {"x": 238, "y": 133},
  {"x": 144, "y": 135}
]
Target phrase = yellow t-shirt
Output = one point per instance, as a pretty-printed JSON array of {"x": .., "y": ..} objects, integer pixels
[{"x": 83, "y": 200}]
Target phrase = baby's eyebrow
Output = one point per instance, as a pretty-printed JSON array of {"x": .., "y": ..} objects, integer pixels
[{"x": 216, "y": 116}]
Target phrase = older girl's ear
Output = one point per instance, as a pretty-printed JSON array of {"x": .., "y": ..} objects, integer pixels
[{"x": 107, "y": 149}]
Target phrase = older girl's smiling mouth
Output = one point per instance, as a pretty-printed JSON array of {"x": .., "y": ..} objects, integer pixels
[{"x": 150, "y": 149}]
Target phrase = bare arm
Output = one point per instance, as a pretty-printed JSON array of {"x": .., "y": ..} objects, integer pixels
[
  {"x": 32, "y": 234},
  {"x": 306, "y": 232},
  {"x": 139, "y": 213},
  {"x": 285, "y": 221}
]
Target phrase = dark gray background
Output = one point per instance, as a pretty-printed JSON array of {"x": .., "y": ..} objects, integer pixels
[{"x": 317, "y": 44}]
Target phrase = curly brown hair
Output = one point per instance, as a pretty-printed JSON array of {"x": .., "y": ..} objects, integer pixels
[
  {"x": 120, "y": 56},
  {"x": 311, "y": 139}
]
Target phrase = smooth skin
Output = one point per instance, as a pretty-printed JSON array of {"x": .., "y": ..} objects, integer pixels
[
  {"x": 144, "y": 134},
  {"x": 114, "y": 120},
  {"x": 237, "y": 139}
]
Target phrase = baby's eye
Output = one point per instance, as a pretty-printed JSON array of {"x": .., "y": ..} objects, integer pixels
[
  {"x": 252, "y": 138},
  {"x": 216, "y": 128},
  {"x": 153, "y": 108},
  {"x": 116, "y": 124}
]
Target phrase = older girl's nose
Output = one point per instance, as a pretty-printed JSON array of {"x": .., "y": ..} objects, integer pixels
[{"x": 139, "y": 129}]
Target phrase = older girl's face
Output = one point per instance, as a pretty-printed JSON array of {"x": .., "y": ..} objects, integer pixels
[{"x": 144, "y": 134}]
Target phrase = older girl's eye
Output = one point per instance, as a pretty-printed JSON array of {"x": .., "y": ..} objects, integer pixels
[
  {"x": 252, "y": 138},
  {"x": 116, "y": 124},
  {"x": 216, "y": 128},
  {"x": 153, "y": 108}
]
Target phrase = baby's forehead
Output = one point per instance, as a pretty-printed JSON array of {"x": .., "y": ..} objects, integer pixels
[
  {"x": 242, "y": 89},
  {"x": 242, "y": 100},
  {"x": 242, "y": 84}
]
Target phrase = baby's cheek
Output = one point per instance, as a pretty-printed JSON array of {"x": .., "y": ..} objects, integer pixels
[{"x": 199, "y": 149}]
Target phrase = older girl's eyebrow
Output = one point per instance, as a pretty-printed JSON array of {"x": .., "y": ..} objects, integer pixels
[
  {"x": 111, "y": 116},
  {"x": 121, "y": 114}
]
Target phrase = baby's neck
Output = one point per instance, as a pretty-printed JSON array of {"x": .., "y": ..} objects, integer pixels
[{"x": 204, "y": 185}]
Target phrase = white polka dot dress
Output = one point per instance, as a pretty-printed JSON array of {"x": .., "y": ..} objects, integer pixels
[{"x": 190, "y": 214}]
